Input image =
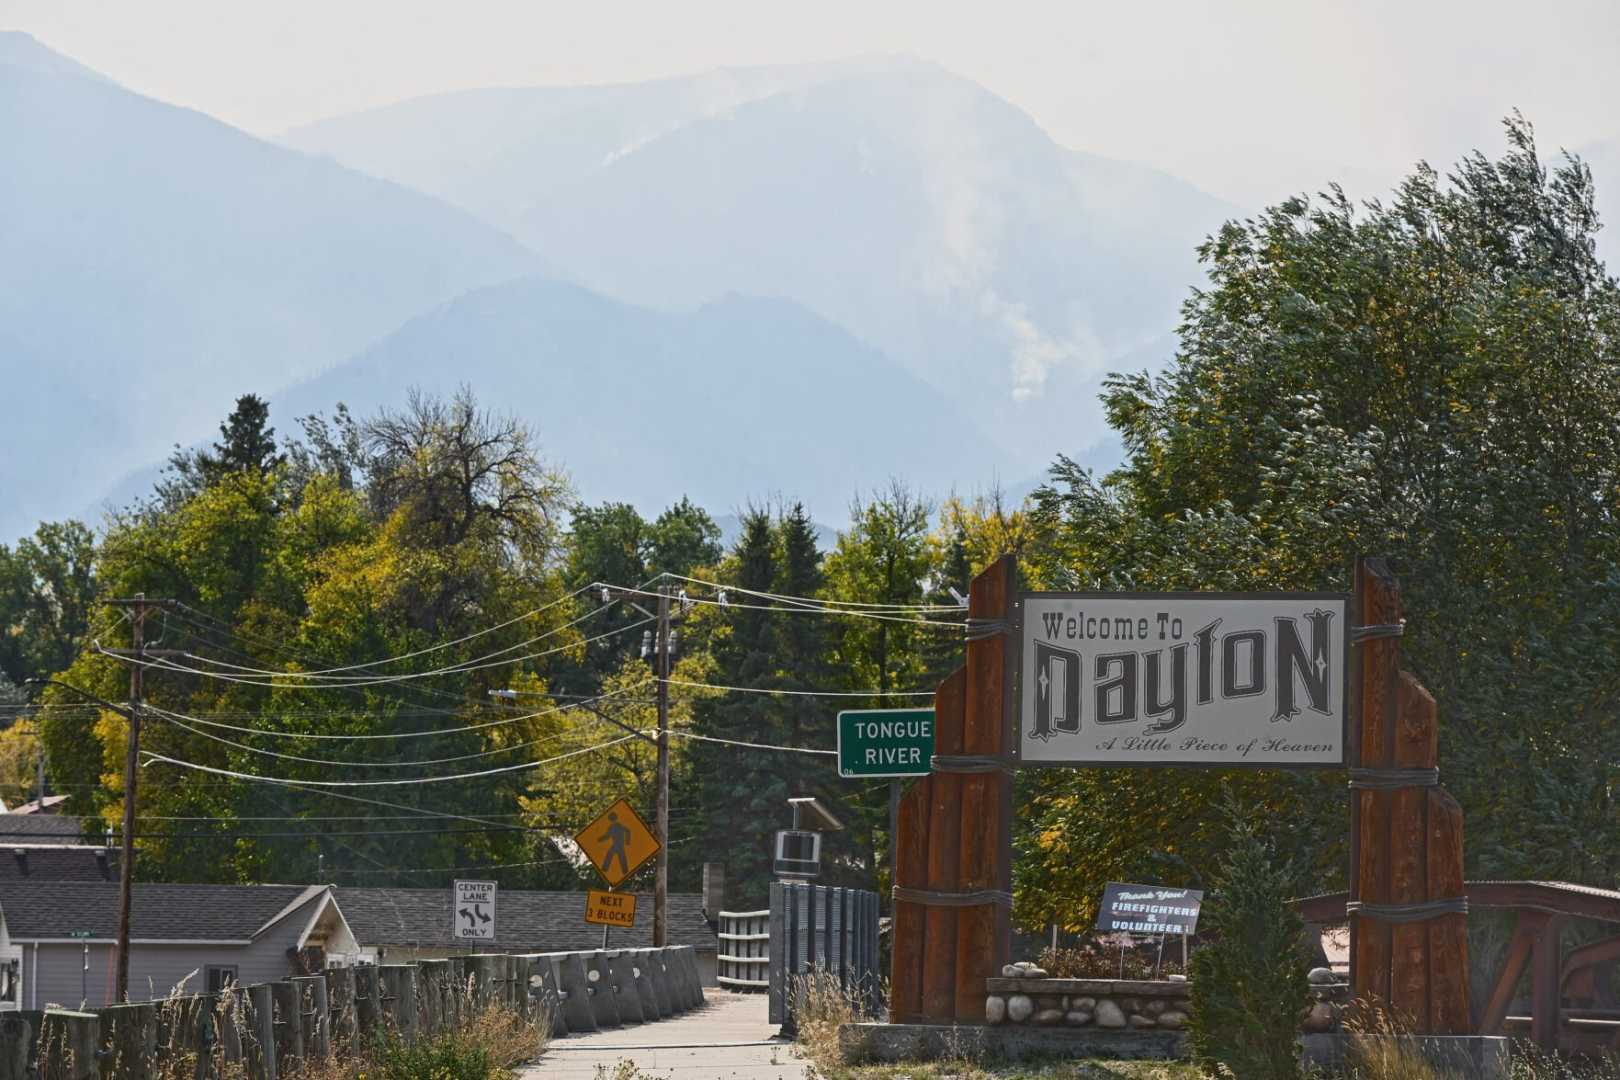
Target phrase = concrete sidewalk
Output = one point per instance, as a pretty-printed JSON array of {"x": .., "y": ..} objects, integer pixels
[{"x": 728, "y": 1037}]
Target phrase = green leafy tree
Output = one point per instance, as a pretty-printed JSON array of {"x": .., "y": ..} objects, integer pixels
[
  {"x": 1432, "y": 379},
  {"x": 1249, "y": 987},
  {"x": 47, "y": 599}
]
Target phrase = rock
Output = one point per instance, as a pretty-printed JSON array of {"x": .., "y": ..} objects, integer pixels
[
  {"x": 1130, "y": 1005},
  {"x": 1020, "y": 1007},
  {"x": 995, "y": 1009},
  {"x": 1155, "y": 1007},
  {"x": 1086, "y": 1003},
  {"x": 1077, "y": 1018},
  {"x": 1050, "y": 1001},
  {"x": 1049, "y": 1016},
  {"x": 1109, "y": 1015},
  {"x": 1010, "y": 971},
  {"x": 1033, "y": 972},
  {"x": 1173, "y": 1019},
  {"x": 1320, "y": 1018},
  {"x": 1321, "y": 977},
  {"x": 1140, "y": 1021}
]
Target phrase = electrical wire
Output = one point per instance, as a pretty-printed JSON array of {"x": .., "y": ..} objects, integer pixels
[
  {"x": 279, "y": 680},
  {"x": 403, "y": 781},
  {"x": 436, "y": 732},
  {"x": 324, "y": 678},
  {"x": 810, "y": 601},
  {"x": 937, "y": 624},
  {"x": 751, "y": 745},
  {"x": 802, "y": 693}
]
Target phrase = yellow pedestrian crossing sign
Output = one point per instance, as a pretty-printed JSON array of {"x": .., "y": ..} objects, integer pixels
[{"x": 618, "y": 843}]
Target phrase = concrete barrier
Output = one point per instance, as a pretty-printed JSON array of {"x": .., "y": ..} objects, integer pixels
[
  {"x": 641, "y": 974},
  {"x": 574, "y": 988},
  {"x": 652, "y": 962},
  {"x": 604, "y": 1001},
  {"x": 618, "y": 971}
]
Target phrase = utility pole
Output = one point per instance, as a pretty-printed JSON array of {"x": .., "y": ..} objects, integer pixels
[
  {"x": 126, "y": 859},
  {"x": 661, "y": 882},
  {"x": 138, "y": 607}
]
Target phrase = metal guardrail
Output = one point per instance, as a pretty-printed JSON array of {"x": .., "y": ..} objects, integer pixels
[
  {"x": 824, "y": 930},
  {"x": 744, "y": 957}
]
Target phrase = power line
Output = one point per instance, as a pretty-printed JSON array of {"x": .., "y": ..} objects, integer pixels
[
  {"x": 804, "y": 693},
  {"x": 751, "y": 745},
  {"x": 936, "y": 624},
  {"x": 326, "y": 678},
  {"x": 396, "y": 735},
  {"x": 288, "y": 680},
  {"x": 814, "y": 602},
  {"x": 410, "y": 780}
]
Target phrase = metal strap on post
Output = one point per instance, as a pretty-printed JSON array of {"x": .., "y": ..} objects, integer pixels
[
  {"x": 978, "y": 628},
  {"x": 935, "y": 898},
  {"x": 1391, "y": 779},
  {"x": 969, "y": 763},
  {"x": 1377, "y": 630},
  {"x": 1408, "y": 913}
]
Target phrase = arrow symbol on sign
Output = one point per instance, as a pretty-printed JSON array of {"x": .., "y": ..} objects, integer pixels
[
  {"x": 465, "y": 914},
  {"x": 481, "y": 914}
]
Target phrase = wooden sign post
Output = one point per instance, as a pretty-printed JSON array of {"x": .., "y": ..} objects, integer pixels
[
  {"x": 1408, "y": 911},
  {"x": 953, "y": 872}
]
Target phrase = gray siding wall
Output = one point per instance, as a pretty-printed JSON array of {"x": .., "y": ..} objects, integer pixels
[{"x": 155, "y": 970}]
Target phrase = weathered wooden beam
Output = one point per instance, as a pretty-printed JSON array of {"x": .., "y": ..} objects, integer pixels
[
  {"x": 944, "y": 838},
  {"x": 1378, "y": 601},
  {"x": 1546, "y": 963},
  {"x": 983, "y": 932}
]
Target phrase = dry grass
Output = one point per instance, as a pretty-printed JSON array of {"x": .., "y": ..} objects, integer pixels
[{"x": 493, "y": 1039}]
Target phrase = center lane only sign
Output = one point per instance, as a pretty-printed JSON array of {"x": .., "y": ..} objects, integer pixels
[{"x": 1183, "y": 679}]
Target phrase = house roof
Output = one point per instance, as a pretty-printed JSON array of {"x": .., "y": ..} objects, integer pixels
[
  {"x": 51, "y": 804},
  {"x": 57, "y": 862},
  {"x": 159, "y": 912},
  {"x": 524, "y": 920},
  {"x": 18, "y": 828}
]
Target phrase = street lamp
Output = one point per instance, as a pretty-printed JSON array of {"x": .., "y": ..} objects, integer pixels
[{"x": 126, "y": 858}]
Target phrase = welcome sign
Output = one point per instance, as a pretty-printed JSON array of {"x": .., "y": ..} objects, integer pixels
[{"x": 1222, "y": 679}]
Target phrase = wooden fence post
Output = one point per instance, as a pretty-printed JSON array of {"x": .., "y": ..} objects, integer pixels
[
  {"x": 367, "y": 1003},
  {"x": 16, "y": 1036},
  {"x": 68, "y": 1045},
  {"x": 459, "y": 992},
  {"x": 314, "y": 1015},
  {"x": 129, "y": 1036},
  {"x": 289, "y": 1039},
  {"x": 261, "y": 1050},
  {"x": 1407, "y": 832},
  {"x": 432, "y": 989},
  {"x": 340, "y": 1008},
  {"x": 407, "y": 1013}
]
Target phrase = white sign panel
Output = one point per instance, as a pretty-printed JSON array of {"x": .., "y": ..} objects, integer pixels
[
  {"x": 472, "y": 915},
  {"x": 1183, "y": 679}
]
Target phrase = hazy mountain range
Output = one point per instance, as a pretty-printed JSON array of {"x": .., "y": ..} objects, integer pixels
[{"x": 795, "y": 281}]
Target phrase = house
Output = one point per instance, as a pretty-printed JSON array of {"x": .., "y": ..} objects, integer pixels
[
  {"x": 49, "y": 805},
  {"x": 395, "y": 926},
  {"x": 49, "y": 847},
  {"x": 57, "y": 938}
]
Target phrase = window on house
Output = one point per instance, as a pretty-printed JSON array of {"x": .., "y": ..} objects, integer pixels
[
  {"x": 11, "y": 981},
  {"x": 220, "y": 976}
]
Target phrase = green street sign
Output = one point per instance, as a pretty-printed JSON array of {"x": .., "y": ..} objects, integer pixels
[{"x": 885, "y": 742}]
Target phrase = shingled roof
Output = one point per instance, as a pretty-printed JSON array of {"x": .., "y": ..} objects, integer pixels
[
  {"x": 31, "y": 828},
  {"x": 57, "y": 862},
  {"x": 524, "y": 920},
  {"x": 36, "y": 910}
]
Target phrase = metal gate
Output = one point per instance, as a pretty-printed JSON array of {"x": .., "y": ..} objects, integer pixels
[
  {"x": 744, "y": 950},
  {"x": 822, "y": 928}
]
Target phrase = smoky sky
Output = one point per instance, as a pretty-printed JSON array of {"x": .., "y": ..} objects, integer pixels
[{"x": 1251, "y": 99}]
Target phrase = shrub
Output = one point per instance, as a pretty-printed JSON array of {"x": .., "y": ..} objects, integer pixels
[{"x": 1249, "y": 990}]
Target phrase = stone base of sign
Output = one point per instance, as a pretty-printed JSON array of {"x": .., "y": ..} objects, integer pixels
[
  {"x": 1108, "y": 1006},
  {"x": 1479, "y": 1057},
  {"x": 933, "y": 1042}
]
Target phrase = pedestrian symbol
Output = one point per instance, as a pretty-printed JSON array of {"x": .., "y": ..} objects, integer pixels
[{"x": 618, "y": 843}]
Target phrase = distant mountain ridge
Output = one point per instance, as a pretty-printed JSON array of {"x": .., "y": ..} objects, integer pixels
[
  {"x": 738, "y": 400},
  {"x": 931, "y": 218},
  {"x": 155, "y": 263}
]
